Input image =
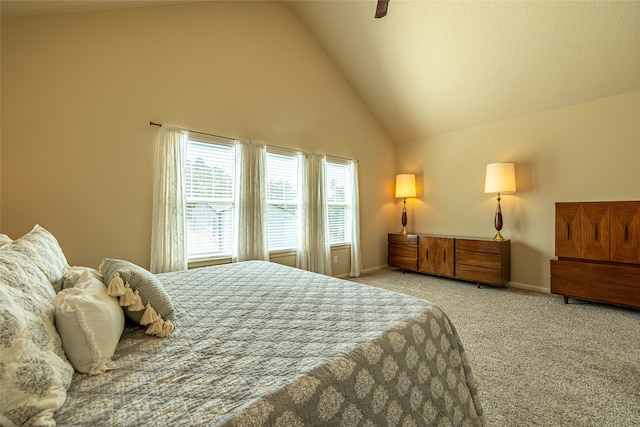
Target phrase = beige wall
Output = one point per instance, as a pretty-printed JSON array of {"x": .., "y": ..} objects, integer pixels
[
  {"x": 585, "y": 152},
  {"x": 79, "y": 90}
]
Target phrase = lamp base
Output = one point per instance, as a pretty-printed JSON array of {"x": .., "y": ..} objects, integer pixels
[
  {"x": 497, "y": 222},
  {"x": 404, "y": 217}
]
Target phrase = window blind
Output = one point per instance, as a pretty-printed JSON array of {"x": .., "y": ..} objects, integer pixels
[
  {"x": 282, "y": 200},
  {"x": 209, "y": 187},
  {"x": 338, "y": 188},
  {"x": 209, "y": 172}
]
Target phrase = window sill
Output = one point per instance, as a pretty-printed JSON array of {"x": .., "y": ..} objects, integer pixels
[{"x": 208, "y": 262}]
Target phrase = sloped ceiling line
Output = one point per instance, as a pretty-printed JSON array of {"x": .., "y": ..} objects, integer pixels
[{"x": 431, "y": 67}]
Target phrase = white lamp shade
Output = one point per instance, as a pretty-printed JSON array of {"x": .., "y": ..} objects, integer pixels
[
  {"x": 406, "y": 185},
  {"x": 500, "y": 178}
]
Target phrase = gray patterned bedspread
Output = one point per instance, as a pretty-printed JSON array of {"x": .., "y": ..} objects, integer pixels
[{"x": 259, "y": 343}]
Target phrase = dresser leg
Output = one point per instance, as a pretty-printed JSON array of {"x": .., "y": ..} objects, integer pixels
[
  {"x": 566, "y": 300},
  {"x": 478, "y": 284}
]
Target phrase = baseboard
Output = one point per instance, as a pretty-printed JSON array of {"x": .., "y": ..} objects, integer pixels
[
  {"x": 372, "y": 269},
  {"x": 528, "y": 287},
  {"x": 516, "y": 285},
  {"x": 368, "y": 270}
]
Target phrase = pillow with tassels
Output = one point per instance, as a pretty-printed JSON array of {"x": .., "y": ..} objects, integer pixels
[{"x": 141, "y": 295}]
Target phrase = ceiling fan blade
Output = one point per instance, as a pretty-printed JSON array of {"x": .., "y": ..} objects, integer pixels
[{"x": 381, "y": 8}]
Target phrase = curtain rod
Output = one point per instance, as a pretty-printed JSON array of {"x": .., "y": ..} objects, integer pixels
[
  {"x": 235, "y": 139},
  {"x": 201, "y": 133}
]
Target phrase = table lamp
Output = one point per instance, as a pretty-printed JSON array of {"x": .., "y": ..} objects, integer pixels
[
  {"x": 500, "y": 178},
  {"x": 405, "y": 187}
]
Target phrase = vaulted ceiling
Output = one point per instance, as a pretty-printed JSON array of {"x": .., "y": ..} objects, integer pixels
[{"x": 435, "y": 66}]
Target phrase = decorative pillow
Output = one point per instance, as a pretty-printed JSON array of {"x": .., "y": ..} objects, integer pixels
[
  {"x": 45, "y": 252},
  {"x": 141, "y": 295},
  {"x": 5, "y": 240},
  {"x": 90, "y": 323},
  {"x": 72, "y": 275},
  {"x": 34, "y": 372}
]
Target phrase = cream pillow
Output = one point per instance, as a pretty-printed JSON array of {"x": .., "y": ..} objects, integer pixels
[
  {"x": 72, "y": 275},
  {"x": 90, "y": 323},
  {"x": 4, "y": 239}
]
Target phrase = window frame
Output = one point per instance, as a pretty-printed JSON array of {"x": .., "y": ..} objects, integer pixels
[
  {"x": 203, "y": 256},
  {"x": 348, "y": 199}
]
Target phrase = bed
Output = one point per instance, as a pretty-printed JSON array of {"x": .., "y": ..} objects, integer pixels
[{"x": 262, "y": 344}]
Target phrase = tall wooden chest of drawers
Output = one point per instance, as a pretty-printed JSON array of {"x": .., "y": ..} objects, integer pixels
[{"x": 597, "y": 248}]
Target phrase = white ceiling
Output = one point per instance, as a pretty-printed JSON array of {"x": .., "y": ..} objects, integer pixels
[{"x": 435, "y": 66}]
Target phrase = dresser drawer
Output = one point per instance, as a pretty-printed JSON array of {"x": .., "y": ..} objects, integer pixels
[
  {"x": 403, "y": 239},
  {"x": 479, "y": 274},
  {"x": 490, "y": 246},
  {"x": 402, "y": 262},
  {"x": 479, "y": 259},
  {"x": 403, "y": 250},
  {"x": 596, "y": 273},
  {"x": 615, "y": 293}
]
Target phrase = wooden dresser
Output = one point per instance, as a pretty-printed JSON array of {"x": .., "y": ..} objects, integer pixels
[
  {"x": 597, "y": 248},
  {"x": 475, "y": 260}
]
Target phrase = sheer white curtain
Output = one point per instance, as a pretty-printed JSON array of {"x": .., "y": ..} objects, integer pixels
[
  {"x": 168, "y": 229},
  {"x": 314, "y": 250},
  {"x": 356, "y": 256},
  {"x": 250, "y": 221}
]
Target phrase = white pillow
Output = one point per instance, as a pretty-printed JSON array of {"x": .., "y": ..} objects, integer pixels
[
  {"x": 90, "y": 323},
  {"x": 72, "y": 275},
  {"x": 4, "y": 239}
]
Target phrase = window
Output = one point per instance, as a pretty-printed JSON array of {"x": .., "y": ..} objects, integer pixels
[
  {"x": 282, "y": 200},
  {"x": 209, "y": 189},
  {"x": 338, "y": 189},
  {"x": 209, "y": 179}
]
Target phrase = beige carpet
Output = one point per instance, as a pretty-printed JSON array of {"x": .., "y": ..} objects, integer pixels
[{"x": 537, "y": 361}]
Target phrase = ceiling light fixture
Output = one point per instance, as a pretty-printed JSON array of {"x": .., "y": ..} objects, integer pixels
[{"x": 381, "y": 8}]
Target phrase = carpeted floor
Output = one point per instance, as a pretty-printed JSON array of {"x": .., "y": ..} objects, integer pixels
[{"x": 537, "y": 361}]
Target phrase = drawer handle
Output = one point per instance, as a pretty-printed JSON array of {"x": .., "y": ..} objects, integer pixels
[
  {"x": 427, "y": 254},
  {"x": 595, "y": 231},
  {"x": 626, "y": 232},
  {"x": 568, "y": 231},
  {"x": 444, "y": 255}
]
